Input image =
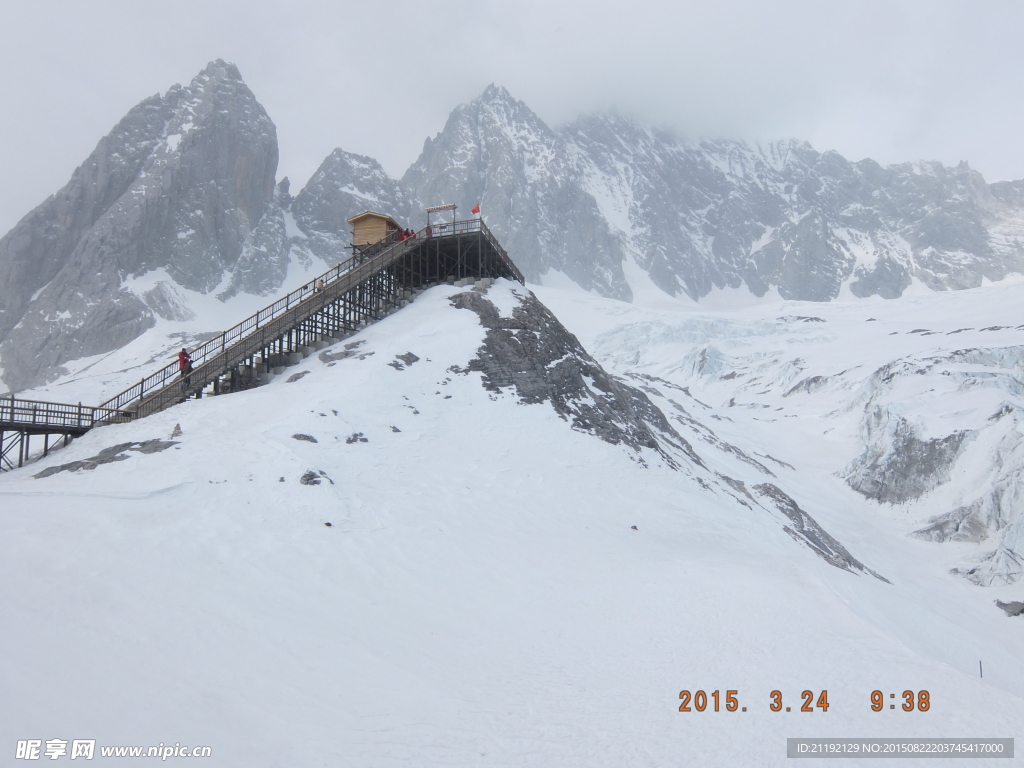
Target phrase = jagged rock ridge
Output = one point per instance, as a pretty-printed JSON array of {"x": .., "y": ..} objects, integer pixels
[
  {"x": 182, "y": 191},
  {"x": 184, "y": 184},
  {"x": 711, "y": 214},
  {"x": 528, "y": 352}
]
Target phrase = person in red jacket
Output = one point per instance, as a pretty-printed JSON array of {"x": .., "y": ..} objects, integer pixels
[{"x": 185, "y": 367}]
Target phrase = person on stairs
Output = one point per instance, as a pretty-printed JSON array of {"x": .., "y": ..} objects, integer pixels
[{"x": 185, "y": 368}]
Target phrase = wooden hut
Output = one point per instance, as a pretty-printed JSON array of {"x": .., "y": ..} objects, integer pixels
[{"x": 369, "y": 228}]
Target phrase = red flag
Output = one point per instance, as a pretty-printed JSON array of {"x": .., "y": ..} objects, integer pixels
[{"x": 476, "y": 209}]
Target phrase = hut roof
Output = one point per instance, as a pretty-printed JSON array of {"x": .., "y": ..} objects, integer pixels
[{"x": 371, "y": 214}]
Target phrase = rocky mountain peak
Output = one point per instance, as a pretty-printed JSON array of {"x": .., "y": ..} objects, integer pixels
[
  {"x": 496, "y": 94},
  {"x": 490, "y": 126},
  {"x": 345, "y": 184},
  {"x": 219, "y": 70},
  {"x": 501, "y": 105},
  {"x": 182, "y": 185}
]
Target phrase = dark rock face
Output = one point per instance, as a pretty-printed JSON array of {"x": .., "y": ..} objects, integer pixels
[
  {"x": 805, "y": 529},
  {"x": 904, "y": 467},
  {"x": 1012, "y": 608},
  {"x": 344, "y": 185},
  {"x": 349, "y": 350},
  {"x": 495, "y": 151},
  {"x": 534, "y": 355},
  {"x": 109, "y": 455},
  {"x": 808, "y": 385},
  {"x": 185, "y": 184},
  {"x": 981, "y": 462},
  {"x": 966, "y": 523},
  {"x": 401, "y": 362},
  {"x": 314, "y": 477},
  {"x": 962, "y": 524}
]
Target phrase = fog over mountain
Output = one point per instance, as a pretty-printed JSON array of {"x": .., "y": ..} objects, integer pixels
[{"x": 179, "y": 199}]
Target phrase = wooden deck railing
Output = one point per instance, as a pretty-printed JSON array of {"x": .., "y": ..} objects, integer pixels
[{"x": 18, "y": 414}]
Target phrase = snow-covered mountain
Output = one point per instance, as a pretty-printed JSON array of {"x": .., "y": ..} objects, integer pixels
[
  {"x": 603, "y": 191},
  {"x": 173, "y": 229},
  {"x": 507, "y": 527},
  {"x": 178, "y": 204},
  {"x": 604, "y": 195},
  {"x": 344, "y": 185},
  {"x": 461, "y": 502}
]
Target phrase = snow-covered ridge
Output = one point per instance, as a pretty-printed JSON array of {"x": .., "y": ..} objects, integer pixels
[{"x": 706, "y": 216}]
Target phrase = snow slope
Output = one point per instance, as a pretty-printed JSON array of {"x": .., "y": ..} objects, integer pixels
[
  {"x": 914, "y": 403},
  {"x": 481, "y": 597}
]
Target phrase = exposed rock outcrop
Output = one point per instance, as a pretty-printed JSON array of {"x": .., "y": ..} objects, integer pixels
[
  {"x": 533, "y": 354},
  {"x": 526, "y": 351},
  {"x": 108, "y": 456},
  {"x": 805, "y": 529},
  {"x": 900, "y": 466}
]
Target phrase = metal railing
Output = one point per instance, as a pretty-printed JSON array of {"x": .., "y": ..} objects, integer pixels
[
  {"x": 18, "y": 414},
  {"x": 218, "y": 345},
  {"x": 40, "y": 415},
  {"x": 452, "y": 228}
]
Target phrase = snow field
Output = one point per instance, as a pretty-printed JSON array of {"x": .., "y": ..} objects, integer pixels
[{"x": 480, "y": 597}]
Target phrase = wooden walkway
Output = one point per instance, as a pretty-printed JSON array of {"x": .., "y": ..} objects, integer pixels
[{"x": 377, "y": 280}]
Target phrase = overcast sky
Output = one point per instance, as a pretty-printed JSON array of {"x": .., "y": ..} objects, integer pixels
[{"x": 894, "y": 80}]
